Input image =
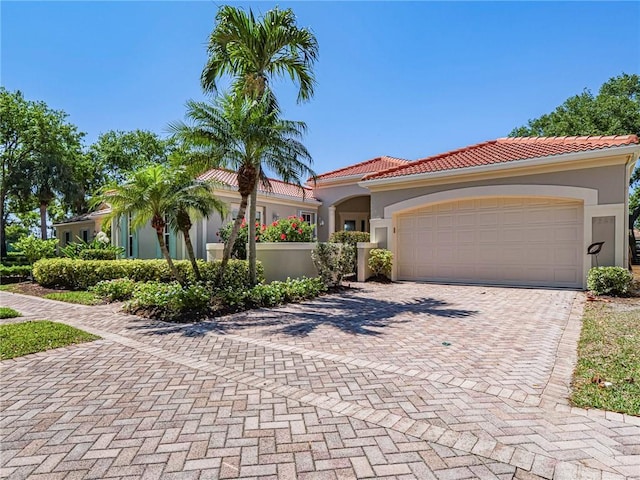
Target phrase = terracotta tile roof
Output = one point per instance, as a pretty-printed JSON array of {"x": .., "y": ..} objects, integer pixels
[
  {"x": 228, "y": 177},
  {"x": 505, "y": 150},
  {"x": 370, "y": 166}
]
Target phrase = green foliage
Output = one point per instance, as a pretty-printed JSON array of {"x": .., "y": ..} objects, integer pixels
[
  {"x": 169, "y": 301},
  {"x": 82, "y": 298},
  {"x": 116, "y": 290},
  {"x": 333, "y": 261},
  {"x": 614, "y": 281},
  {"x": 97, "y": 249},
  {"x": 239, "y": 250},
  {"x": 272, "y": 294},
  {"x": 6, "y": 312},
  {"x": 15, "y": 271},
  {"x": 82, "y": 274},
  {"x": 236, "y": 274},
  {"x": 18, "y": 339},
  {"x": 290, "y": 229},
  {"x": 35, "y": 249},
  {"x": 380, "y": 262},
  {"x": 350, "y": 237}
]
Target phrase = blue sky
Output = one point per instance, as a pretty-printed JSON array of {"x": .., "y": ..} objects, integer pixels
[{"x": 406, "y": 79}]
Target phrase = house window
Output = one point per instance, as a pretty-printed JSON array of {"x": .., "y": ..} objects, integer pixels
[
  {"x": 85, "y": 235},
  {"x": 129, "y": 237},
  {"x": 309, "y": 217},
  {"x": 349, "y": 225},
  {"x": 67, "y": 237},
  {"x": 166, "y": 233}
]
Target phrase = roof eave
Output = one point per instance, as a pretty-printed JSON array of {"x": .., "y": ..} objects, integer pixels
[{"x": 529, "y": 162}]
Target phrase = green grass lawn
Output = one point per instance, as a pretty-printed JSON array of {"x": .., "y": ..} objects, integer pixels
[
  {"x": 83, "y": 298},
  {"x": 6, "y": 312},
  {"x": 7, "y": 287},
  {"x": 18, "y": 339},
  {"x": 609, "y": 351}
]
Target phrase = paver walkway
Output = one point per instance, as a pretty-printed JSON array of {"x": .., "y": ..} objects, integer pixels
[{"x": 395, "y": 381}]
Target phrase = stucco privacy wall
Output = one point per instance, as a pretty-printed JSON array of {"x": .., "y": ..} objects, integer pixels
[
  {"x": 329, "y": 196},
  {"x": 608, "y": 181}
]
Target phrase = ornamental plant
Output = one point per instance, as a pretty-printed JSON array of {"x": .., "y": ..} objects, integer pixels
[
  {"x": 239, "y": 250},
  {"x": 35, "y": 249},
  {"x": 380, "y": 262},
  {"x": 290, "y": 229},
  {"x": 616, "y": 281},
  {"x": 333, "y": 262}
]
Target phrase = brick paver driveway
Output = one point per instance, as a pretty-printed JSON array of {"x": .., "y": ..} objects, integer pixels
[{"x": 386, "y": 381}]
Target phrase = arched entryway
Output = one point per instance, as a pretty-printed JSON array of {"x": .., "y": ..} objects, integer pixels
[{"x": 351, "y": 214}]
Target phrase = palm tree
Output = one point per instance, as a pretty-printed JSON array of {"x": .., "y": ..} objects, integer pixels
[
  {"x": 252, "y": 51},
  {"x": 193, "y": 199},
  {"x": 148, "y": 195},
  {"x": 244, "y": 135}
]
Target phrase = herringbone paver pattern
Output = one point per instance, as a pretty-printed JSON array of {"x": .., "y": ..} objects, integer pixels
[{"x": 349, "y": 386}]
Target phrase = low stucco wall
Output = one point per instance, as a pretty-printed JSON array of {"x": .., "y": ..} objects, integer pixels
[
  {"x": 280, "y": 260},
  {"x": 364, "y": 252}
]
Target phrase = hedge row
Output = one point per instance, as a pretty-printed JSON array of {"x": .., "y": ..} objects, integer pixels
[
  {"x": 15, "y": 271},
  {"x": 82, "y": 274}
]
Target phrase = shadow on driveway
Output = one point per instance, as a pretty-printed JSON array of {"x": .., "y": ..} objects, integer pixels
[{"x": 345, "y": 312}]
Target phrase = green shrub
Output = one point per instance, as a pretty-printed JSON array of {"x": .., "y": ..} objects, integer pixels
[
  {"x": 115, "y": 290},
  {"x": 609, "y": 281},
  {"x": 239, "y": 250},
  {"x": 333, "y": 261},
  {"x": 98, "y": 249},
  {"x": 35, "y": 249},
  {"x": 169, "y": 301},
  {"x": 82, "y": 274},
  {"x": 290, "y": 229},
  {"x": 15, "y": 271},
  {"x": 380, "y": 262},
  {"x": 274, "y": 293},
  {"x": 98, "y": 254},
  {"x": 350, "y": 237}
]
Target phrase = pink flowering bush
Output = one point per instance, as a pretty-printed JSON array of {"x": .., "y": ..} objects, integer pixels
[{"x": 290, "y": 229}]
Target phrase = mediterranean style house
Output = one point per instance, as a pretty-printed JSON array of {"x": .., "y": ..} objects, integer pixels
[{"x": 512, "y": 211}]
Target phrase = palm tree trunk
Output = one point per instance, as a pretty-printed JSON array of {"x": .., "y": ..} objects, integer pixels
[
  {"x": 252, "y": 232},
  {"x": 43, "y": 220},
  {"x": 167, "y": 257},
  {"x": 228, "y": 245},
  {"x": 192, "y": 255}
]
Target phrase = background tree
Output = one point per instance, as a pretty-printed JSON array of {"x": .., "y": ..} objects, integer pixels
[
  {"x": 243, "y": 134},
  {"x": 252, "y": 51},
  {"x": 31, "y": 136},
  {"x": 116, "y": 153},
  {"x": 615, "y": 110}
]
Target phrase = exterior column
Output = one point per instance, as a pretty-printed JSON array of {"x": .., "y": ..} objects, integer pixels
[{"x": 332, "y": 220}]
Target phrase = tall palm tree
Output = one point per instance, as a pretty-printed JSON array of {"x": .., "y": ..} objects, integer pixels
[
  {"x": 193, "y": 199},
  {"x": 244, "y": 135},
  {"x": 252, "y": 51}
]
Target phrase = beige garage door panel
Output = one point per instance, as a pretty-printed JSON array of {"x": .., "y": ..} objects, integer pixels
[{"x": 517, "y": 241}]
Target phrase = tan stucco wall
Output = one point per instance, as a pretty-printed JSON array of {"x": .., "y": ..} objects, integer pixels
[
  {"x": 329, "y": 196},
  {"x": 609, "y": 181}
]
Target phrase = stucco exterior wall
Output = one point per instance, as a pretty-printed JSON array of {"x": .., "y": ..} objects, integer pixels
[
  {"x": 329, "y": 196},
  {"x": 608, "y": 181},
  {"x": 75, "y": 232}
]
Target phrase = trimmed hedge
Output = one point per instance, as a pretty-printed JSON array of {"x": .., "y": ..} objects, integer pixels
[
  {"x": 15, "y": 271},
  {"x": 82, "y": 274},
  {"x": 169, "y": 301},
  {"x": 350, "y": 237}
]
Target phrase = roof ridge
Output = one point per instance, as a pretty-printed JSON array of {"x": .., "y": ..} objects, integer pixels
[
  {"x": 365, "y": 162},
  {"x": 568, "y": 138}
]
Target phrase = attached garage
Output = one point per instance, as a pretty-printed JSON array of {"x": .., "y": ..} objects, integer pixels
[
  {"x": 503, "y": 241},
  {"x": 511, "y": 211}
]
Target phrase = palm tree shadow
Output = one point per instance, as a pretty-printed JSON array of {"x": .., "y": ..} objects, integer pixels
[{"x": 346, "y": 312}]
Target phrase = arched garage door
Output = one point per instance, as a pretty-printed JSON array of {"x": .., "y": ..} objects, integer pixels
[{"x": 504, "y": 241}]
